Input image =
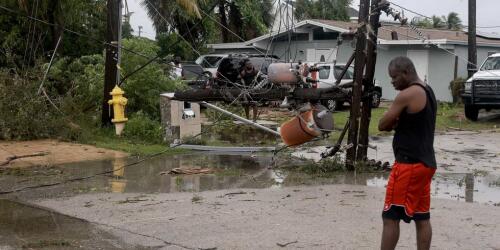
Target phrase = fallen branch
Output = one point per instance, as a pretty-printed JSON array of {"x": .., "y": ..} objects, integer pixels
[
  {"x": 189, "y": 171},
  {"x": 286, "y": 244},
  {"x": 15, "y": 157}
]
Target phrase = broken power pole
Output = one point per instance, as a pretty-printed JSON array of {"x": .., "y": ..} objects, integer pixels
[
  {"x": 471, "y": 66},
  {"x": 359, "y": 65},
  {"x": 368, "y": 83}
]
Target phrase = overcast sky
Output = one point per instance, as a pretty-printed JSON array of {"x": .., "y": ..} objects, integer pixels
[{"x": 487, "y": 12}]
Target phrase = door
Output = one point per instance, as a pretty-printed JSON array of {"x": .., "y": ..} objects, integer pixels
[
  {"x": 420, "y": 59},
  {"x": 325, "y": 55}
]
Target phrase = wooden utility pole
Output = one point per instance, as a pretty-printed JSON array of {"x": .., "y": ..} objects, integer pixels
[
  {"x": 113, "y": 39},
  {"x": 359, "y": 65},
  {"x": 371, "y": 60},
  {"x": 471, "y": 67}
]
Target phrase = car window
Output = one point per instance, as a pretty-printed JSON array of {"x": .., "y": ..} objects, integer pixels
[
  {"x": 348, "y": 75},
  {"x": 324, "y": 72},
  {"x": 191, "y": 71},
  {"x": 491, "y": 63},
  {"x": 209, "y": 61}
]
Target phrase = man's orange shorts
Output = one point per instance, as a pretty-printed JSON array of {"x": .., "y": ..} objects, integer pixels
[{"x": 408, "y": 194}]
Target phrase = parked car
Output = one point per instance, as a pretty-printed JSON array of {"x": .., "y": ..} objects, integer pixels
[
  {"x": 327, "y": 76},
  {"x": 210, "y": 63},
  {"x": 194, "y": 75},
  {"x": 482, "y": 90}
]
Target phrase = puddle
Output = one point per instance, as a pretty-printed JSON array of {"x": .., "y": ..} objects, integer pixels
[
  {"x": 26, "y": 227},
  {"x": 233, "y": 172}
]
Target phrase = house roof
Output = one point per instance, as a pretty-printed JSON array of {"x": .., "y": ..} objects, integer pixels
[{"x": 405, "y": 34}]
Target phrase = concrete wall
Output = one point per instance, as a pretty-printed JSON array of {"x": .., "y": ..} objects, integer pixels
[
  {"x": 298, "y": 49},
  {"x": 173, "y": 122}
]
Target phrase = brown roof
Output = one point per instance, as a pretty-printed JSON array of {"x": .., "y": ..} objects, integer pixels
[{"x": 406, "y": 33}]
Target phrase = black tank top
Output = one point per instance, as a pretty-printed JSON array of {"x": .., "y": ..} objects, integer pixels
[{"x": 414, "y": 138}]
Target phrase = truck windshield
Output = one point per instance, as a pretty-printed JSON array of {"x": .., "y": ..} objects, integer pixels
[
  {"x": 492, "y": 63},
  {"x": 208, "y": 61}
]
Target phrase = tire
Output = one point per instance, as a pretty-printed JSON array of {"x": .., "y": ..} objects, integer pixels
[
  {"x": 376, "y": 99},
  {"x": 471, "y": 112},
  {"x": 332, "y": 105}
]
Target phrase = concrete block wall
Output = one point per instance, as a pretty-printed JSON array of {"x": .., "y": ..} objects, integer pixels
[{"x": 174, "y": 120}]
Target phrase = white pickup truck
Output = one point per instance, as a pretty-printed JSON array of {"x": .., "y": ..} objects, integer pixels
[
  {"x": 482, "y": 90},
  {"x": 328, "y": 75}
]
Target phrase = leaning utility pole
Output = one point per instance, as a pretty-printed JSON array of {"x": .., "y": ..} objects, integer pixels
[
  {"x": 113, "y": 39},
  {"x": 359, "y": 65},
  {"x": 371, "y": 60},
  {"x": 471, "y": 67}
]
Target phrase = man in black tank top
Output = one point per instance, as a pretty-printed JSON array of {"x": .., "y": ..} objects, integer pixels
[{"x": 412, "y": 116}]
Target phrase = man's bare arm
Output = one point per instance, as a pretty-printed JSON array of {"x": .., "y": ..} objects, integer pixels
[{"x": 389, "y": 121}]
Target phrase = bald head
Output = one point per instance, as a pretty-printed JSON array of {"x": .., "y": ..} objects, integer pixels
[
  {"x": 402, "y": 64},
  {"x": 402, "y": 72}
]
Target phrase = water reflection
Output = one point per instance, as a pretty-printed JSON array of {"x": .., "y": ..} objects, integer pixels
[
  {"x": 248, "y": 171},
  {"x": 26, "y": 227}
]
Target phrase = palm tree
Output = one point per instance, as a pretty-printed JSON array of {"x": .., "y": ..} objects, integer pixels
[
  {"x": 453, "y": 22},
  {"x": 438, "y": 22}
]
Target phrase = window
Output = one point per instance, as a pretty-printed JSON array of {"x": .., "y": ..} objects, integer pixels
[
  {"x": 324, "y": 72},
  {"x": 492, "y": 63},
  {"x": 209, "y": 61},
  {"x": 294, "y": 37},
  {"x": 348, "y": 75},
  {"x": 319, "y": 34}
]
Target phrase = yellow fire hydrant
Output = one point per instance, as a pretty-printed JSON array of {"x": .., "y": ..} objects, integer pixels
[{"x": 119, "y": 102}]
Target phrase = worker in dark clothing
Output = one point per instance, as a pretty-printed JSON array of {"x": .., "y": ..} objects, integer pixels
[
  {"x": 412, "y": 116},
  {"x": 248, "y": 76}
]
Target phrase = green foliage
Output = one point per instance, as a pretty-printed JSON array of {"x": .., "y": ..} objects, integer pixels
[
  {"x": 24, "y": 114},
  {"x": 127, "y": 30},
  {"x": 144, "y": 87},
  {"x": 23, "y": 41},
  {"x": 451, "y": 22},
  {"x": 142, "y": 128},
  {"x": 456, "y": 86},
  {"x": 173, "y": 45},
  {"x": 322, "y": 9}
]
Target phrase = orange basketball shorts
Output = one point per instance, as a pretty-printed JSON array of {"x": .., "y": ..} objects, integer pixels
[{"x": 408, "y": 194}]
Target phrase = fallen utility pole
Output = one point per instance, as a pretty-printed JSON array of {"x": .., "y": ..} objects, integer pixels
[
  {"x": 259, "y": 95},
  {"x": 371, "y": 60},
  {"x": 111, "y": 72},
  {"x": 359, "y": 66},
  {"x": 237, "y": 117},
  {"x": 471, "y": 66}
]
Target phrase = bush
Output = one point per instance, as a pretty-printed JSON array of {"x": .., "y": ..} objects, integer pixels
[
  {"x": 456, "y": 86},
  {"x": 142, "y": 128},
  {"x": 25, "y": 114}
]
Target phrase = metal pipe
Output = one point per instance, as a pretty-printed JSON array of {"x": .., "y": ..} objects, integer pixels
[{"x": 251, "y": 123}]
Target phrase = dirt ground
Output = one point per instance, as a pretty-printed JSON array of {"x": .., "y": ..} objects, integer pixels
[{"x": 57, "y": 152}]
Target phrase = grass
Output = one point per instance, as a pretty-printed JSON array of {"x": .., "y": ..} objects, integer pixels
[
  {"x": 105, "y": 138},
  {"x": 449, "y": 117}
]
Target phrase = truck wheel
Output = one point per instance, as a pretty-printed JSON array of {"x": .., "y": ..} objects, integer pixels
[
  {"x": 376, "y": 99},
  {"x": 471, "y": 112}
]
